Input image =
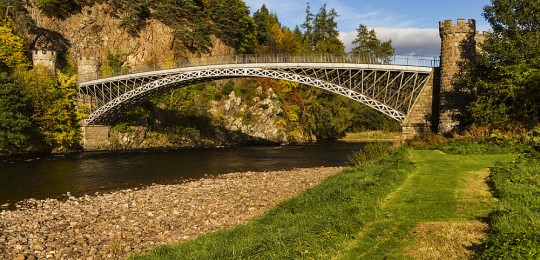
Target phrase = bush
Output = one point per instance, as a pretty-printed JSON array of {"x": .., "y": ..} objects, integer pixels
[
  {"x": 122, "y": 128},
  {"x": 469, "y": 148},
  {"x": 371, "y": 151}
]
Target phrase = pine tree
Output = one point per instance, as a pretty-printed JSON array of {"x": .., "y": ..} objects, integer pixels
[
  {"x": 321, "y": 33},
  {"x": 368, "y": 45}
]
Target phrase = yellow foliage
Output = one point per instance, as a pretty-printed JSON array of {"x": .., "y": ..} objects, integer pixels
[
  {"x": 287, "y": 86},
  {"x": 12, "y": 50}
]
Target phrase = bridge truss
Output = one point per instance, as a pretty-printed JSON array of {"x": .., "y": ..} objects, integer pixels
[{"x": 390, "y": 89}]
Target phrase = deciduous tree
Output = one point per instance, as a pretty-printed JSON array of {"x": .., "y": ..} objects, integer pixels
[
  {"x": 15, "y": 125},
  {"x": 12, "y": 50},
  {"x": 504, "y": 77}
]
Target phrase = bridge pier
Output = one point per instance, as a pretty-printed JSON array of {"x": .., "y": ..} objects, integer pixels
[
  {"x": 95, "y": 137},
  {"x": 420, "y": 119}
]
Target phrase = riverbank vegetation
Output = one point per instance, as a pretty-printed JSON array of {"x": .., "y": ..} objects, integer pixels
[
  {"x": 37, "y": 106},
  {"x": 514, "y": 231}
]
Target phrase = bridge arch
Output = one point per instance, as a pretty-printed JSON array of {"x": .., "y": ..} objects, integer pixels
[{"x": 390, "y": 89}]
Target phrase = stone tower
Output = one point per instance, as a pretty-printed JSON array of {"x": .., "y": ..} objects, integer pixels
[
  {"x": 457, "y": 44},
  {"x": 44, "y": 58},
  {"x": 88, "y": 68}
]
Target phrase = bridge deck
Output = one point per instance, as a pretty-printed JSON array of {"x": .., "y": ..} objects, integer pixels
[
  {"x": 275, "y": 61},
  {"x": 386, "y": 67}
]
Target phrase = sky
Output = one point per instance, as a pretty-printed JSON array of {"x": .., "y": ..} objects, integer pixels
[{"x": 412, "y": 25}]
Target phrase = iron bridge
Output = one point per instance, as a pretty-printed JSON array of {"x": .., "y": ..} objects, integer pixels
[{"x": 390, "y": 86}]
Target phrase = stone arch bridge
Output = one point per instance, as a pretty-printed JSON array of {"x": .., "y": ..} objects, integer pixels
[{"x": 399, "y": 87}]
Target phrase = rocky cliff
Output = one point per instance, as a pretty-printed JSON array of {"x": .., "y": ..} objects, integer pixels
[
  {"x": 96, "y": 30},
  {"x": 258, "y": 119}
]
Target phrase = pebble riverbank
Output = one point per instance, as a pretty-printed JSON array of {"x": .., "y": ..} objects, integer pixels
[{"x": 121, "y": 223}]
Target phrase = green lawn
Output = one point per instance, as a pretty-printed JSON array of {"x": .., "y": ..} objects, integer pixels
[
  {"x": 437, "y": 197},
  {"x": 385, "y": 209}
]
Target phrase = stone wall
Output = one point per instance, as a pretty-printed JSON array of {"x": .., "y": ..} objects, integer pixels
[
  {"x": 95, "y": 137},
  {"x": 420, "y": 117},
  {"x": 87, "y": 68},
  {"x": 457, "y": 44}
]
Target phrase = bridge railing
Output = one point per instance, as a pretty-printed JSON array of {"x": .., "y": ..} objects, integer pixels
[{"x": 404, "y": 60}]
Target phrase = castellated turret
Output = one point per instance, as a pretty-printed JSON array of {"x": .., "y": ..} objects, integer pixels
[
  {"x": 44, "y": 58},
  {"x": 457, "y": 44},
  {"x": 87, "y": 69}
]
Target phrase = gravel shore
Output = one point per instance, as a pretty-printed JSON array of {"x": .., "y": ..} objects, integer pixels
[{"x": 121, "y": 223}]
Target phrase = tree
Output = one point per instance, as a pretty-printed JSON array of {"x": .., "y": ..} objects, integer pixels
[
  {"x": 504, "y": 77},
  {"x": 12, "y": 51},
  {"x": 58, "y": 8},
  {"x": 262, "y": 19},
  {"x": 52, "y": 100},
  {"x": 289, "y": 42},
  {"x": 66, "y": 132},
  {"x": 234, "y": 25},
  {"x": 188, "y": 20},
  {"x": 321, "y": 33},
  {"x": 368, "y": 45},
  {"x": 15, "y": 126}
]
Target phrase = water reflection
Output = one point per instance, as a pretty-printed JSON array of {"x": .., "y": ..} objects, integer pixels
[{"x": 86, "y": 173}]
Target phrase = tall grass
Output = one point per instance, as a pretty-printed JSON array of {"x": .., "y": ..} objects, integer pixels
[
  {"x": 369, "y": 152},
  {"x": 515, "y": 224}
]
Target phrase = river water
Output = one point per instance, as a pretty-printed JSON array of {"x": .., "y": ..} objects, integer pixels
[{"x": 86, "y": 173}]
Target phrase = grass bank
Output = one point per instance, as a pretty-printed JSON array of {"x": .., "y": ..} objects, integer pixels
[
  {"x": 515, "y": 224},
  {"x": 368, "y": 136},
  {"x": 414, "y": 204},
  {"x": 434, "y": 214}
]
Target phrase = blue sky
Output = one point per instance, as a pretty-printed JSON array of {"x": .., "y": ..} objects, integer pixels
[{"x": 411, "y": 24}]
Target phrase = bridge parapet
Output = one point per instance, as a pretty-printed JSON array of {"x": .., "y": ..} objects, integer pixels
[{"x": 403, "y": 60}]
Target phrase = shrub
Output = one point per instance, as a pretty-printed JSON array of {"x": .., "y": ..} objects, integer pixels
[
  {"x": 371, "y": 151},
  {"x": 469, "y": 148}
]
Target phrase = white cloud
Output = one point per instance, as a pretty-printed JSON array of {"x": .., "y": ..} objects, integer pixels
[{"x": 406, "y": 41}]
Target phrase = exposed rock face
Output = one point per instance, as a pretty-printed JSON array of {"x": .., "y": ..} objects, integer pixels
[
  {"x": 257, "y": 119},
  {"x": 95, "y": 31}
]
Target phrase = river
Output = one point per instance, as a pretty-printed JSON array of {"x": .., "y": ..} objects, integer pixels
[{"x": 52, "y": 176}]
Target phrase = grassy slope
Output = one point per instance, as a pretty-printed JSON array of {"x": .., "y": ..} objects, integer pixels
[
  {"x": 434, "y": 193},
  {"x": 515, "y": 229},
  {"x": 369, "y": 212}
]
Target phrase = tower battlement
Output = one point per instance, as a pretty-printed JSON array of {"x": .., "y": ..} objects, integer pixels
[
  {"x": 447, "y": 28},
  {"x": 44, "y": 58}
]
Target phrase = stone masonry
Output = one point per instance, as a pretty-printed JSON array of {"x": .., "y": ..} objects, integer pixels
[
  {"x": 457, "y": 43},
  {"x": 419, "y": 120},
  {"x": 95, "y": 137},
  {"x": 44, "y": 58},
  {"x": 87, "y": 68}
]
